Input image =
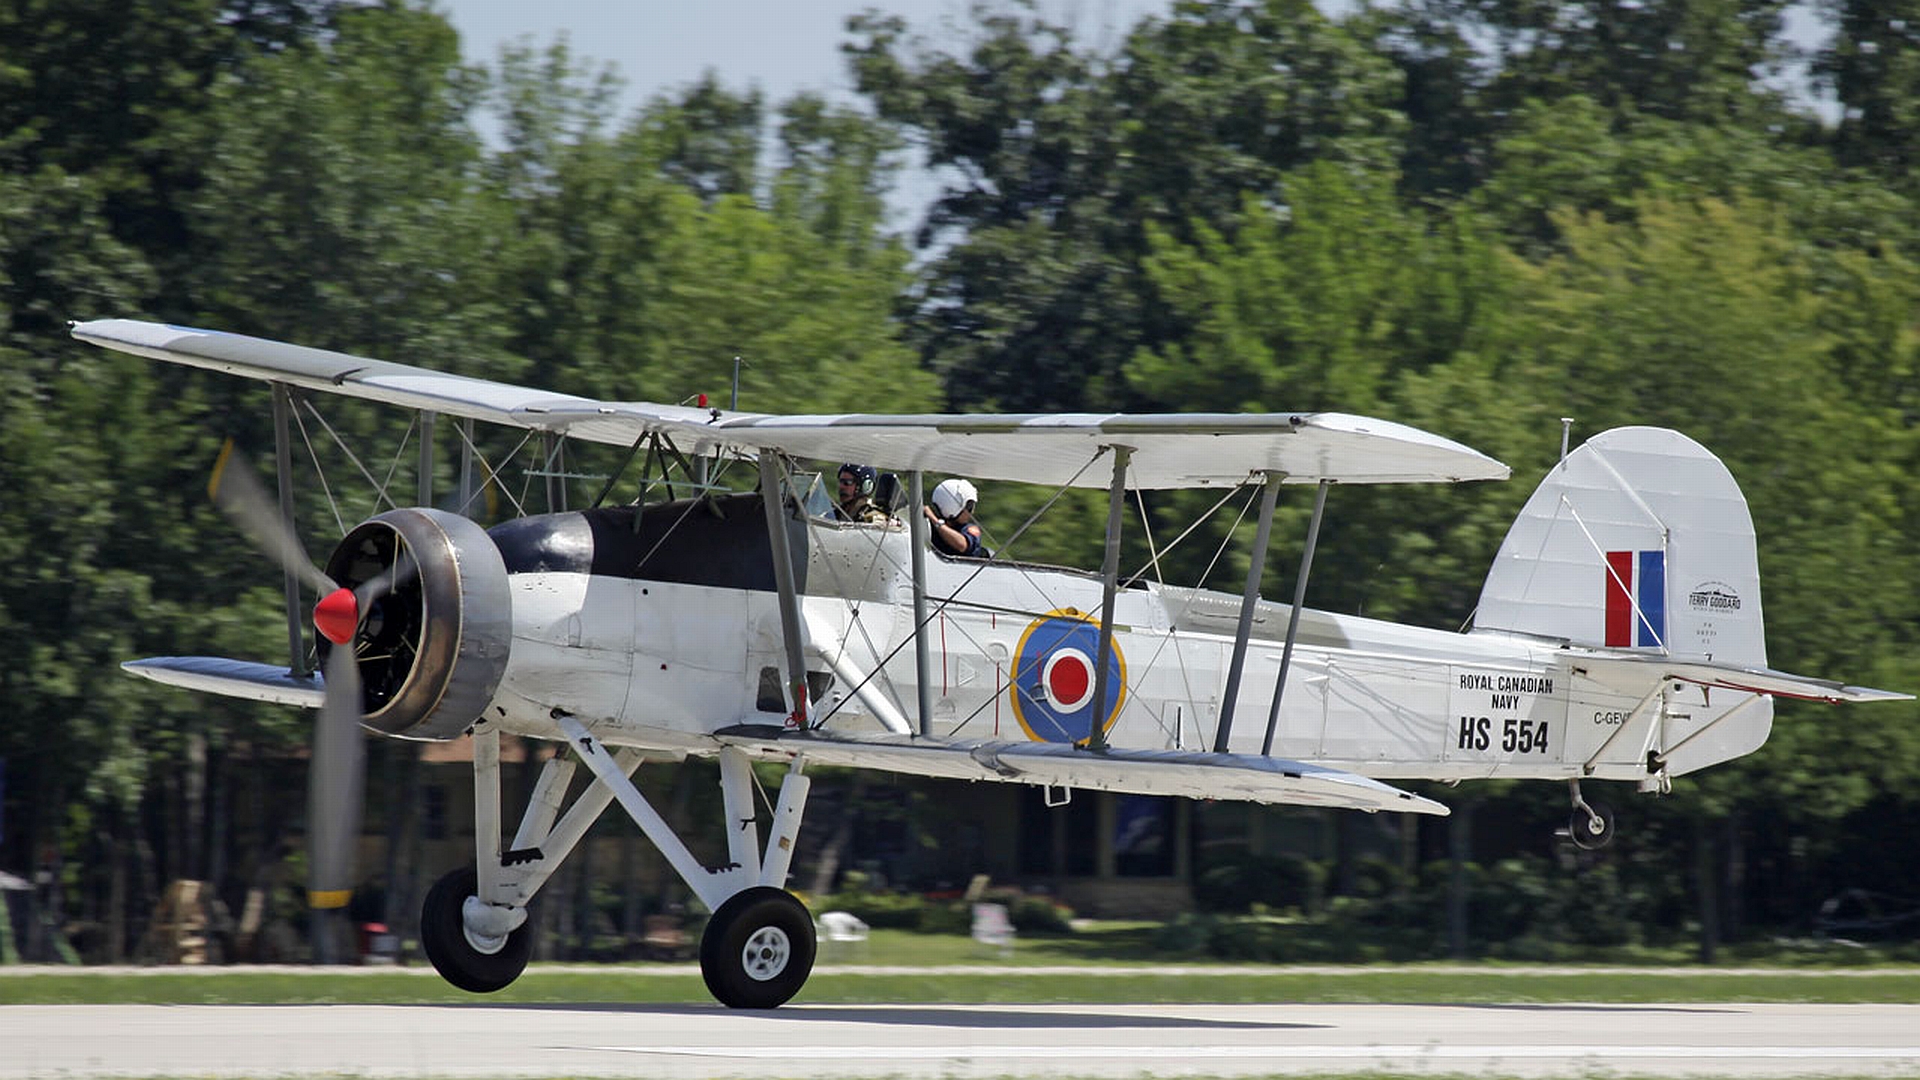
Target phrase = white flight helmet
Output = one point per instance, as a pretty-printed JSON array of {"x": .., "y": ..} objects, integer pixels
[{"x": 952, "y": 496}]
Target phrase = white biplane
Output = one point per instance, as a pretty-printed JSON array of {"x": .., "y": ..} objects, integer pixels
[{"x": 1618, "y": 637}]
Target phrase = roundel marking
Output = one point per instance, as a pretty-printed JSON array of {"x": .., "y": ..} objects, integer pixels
[
  {"x": 1068, "y": 679},
  {"x": 1053, "y": 678}
]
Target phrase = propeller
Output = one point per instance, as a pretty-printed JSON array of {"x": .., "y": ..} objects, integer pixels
[{"x": 337, "y": 766}]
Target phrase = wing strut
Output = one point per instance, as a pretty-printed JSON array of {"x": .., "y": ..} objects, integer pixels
[
  {"x": 770, "y": 460},
  {"x": 1109, "y": 579},
  {"x": 1293, "y": 618},
  {"x": 466, "y": 467},
  {"x": 283, "y": 468},
  {"x": 1249, "y": 602},
  {"x": 917, "y": 539},
  {"x": 423, "y": 484}
]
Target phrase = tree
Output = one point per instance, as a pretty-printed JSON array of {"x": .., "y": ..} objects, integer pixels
[
  {"x": 1059, "y": 159},
  {"x": 1872, "y": 65},
  {"x": 1688, "y": 62},
  {"x": 647, "y": 259},
  {"x": 342, "y": 206},
  {"x": 1346, "y": 301}
]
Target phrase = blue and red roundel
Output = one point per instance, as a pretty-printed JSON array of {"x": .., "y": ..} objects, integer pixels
[{"x": 1053, "y": 678}]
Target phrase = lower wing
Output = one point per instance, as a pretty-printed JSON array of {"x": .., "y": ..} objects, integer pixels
[{"x": 1193, "y": 774}]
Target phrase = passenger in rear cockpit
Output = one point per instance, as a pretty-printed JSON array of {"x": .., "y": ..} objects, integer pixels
[{"x": 951, "y": 521}]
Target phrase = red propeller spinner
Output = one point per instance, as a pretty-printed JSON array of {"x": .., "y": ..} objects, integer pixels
[{"x": 337, "y": 615}]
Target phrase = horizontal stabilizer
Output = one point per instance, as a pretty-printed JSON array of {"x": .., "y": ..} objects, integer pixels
[
  {"x": 1192, "y": 774},
  {"x": 233, "y": 678},
  {"x": 1638, "y": 667}
]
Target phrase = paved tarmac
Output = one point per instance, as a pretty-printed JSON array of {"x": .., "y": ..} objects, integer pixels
[{"x": 706, "y": 1041}]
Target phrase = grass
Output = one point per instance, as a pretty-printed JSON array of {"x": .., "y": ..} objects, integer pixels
[{"x": 1111, "y": 964}]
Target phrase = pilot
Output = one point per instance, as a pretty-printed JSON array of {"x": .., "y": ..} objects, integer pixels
[
  {"x": 951, "y": 521},
  {"x": 856, "y": 496}
]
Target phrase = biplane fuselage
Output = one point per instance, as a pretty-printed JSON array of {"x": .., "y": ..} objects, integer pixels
[{"x": 664, "y": 635}]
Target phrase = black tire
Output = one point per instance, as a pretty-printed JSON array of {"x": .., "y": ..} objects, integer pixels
[
  {"x": 443, "y": 936},
  {"x": 1587, "y": 836},
  {"x": 758, "y": 949}
]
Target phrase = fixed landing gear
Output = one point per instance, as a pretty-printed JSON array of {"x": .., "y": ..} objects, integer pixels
[
  {"x": 1590, "y": 826},
  {"x": 474, "y": 964},
  {"x": 758, "y": 949}
]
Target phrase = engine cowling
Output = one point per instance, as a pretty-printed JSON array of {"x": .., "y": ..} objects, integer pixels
[{"x": 437, "y": 625}]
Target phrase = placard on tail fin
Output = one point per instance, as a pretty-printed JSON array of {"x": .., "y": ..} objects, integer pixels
[{"x": 1639, "y": 539}]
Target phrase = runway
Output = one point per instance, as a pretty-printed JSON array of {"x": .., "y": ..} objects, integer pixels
[{"x": 957, "y": 1040}]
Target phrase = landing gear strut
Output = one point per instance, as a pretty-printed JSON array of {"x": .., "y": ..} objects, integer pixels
[
  {"x": 758, "y": 948},
  {"x": 476, "y": 964},
  {"x": 1591, "y": 824}
]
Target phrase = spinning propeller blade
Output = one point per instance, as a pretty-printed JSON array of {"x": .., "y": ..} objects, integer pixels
[
  {"x": 235, "y": 489},
  {"x": 337, "y": 769},
  {"x": 334, "y": 784}
]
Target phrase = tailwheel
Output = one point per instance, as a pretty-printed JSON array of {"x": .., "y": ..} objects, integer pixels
[
  {"x": 1591, "y": 825},
  {"x": 474, "y": 964},
  {"x": 758, "y": 949}
]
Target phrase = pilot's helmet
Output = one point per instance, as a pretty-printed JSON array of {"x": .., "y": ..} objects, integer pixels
[
  {"x": 952, "y": 496},
  {"x": 863, "y": 477}
]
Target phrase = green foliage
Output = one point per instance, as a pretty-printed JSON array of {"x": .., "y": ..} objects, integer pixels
[
  {"x": 644, "y": 262},
  {"x": 1872, "y": 66},
  {"x": 359, "y": 153},
  {"x": 1063, "y": 158},
  {"x": 1521, "y": 909}
]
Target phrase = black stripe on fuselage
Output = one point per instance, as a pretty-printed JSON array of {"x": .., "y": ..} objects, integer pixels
[{"x": 719, "y": 541}]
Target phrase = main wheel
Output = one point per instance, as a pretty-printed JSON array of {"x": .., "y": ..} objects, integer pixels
[
  {"x": 758, "y": 949},
  {"x": 459, "y": 958},
  {"x": 1591, "y": 831}
]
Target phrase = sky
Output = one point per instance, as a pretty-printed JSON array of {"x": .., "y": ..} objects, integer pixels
[
  {"x": 788, "y": 46},
  {"x": 781, "y": 46}
]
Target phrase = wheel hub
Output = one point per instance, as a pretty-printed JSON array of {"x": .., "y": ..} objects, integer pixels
[
  {"x": 766, "y": 953},
  {"x": 486, "y": 926}
]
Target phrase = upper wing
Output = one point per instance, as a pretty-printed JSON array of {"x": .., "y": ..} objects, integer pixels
[
  {"x": 1193, "y": 774},
  {"x": 1170, "y": 450}
]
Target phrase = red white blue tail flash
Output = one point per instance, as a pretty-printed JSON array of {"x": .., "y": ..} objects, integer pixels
[{"x": 1636, "y": 590}]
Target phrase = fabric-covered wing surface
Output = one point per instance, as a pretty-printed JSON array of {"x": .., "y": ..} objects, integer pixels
[
  {"x": 1170, "y": 450},
  {"x": 1239, "y": 777}
]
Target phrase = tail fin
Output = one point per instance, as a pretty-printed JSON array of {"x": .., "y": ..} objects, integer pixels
[
  {"x": 1639, "y": 539},
  {"x": 1637, "y": 550}
]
